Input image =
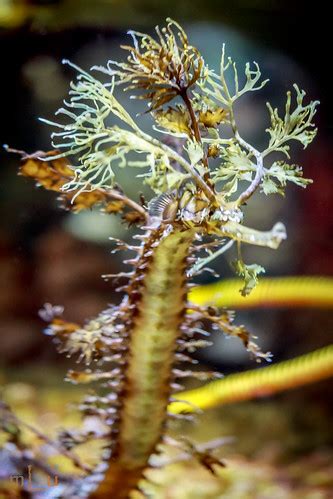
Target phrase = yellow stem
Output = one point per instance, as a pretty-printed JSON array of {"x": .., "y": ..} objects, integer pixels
[
  {"x": 308, "y": 368},
  {"x": 292, "y": 291}
]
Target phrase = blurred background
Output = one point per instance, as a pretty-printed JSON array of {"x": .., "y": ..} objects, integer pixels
[{"x": 48, "y": 255}]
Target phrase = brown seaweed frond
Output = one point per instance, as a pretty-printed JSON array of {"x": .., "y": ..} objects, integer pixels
[
  {"x": 52, "y": 172},
  {"x": 162, "y": 68}
]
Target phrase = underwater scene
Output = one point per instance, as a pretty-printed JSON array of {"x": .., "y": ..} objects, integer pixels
[{"x": 165, "y": 250}]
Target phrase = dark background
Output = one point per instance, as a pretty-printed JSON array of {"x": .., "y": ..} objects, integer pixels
[{"x": 44, "y": 256}]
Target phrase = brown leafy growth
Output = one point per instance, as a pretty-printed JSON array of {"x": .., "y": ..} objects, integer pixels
[
  {"x": 114, "y": 206},
  {"x": 211, "y": 118},
  {"x": 213, "y": 151},
  {"x": 133, "y": 217},
  {"x": 162, "y": 68},
  {"x": 176, "y": 119},
  {"x": 53, "y": 174}
]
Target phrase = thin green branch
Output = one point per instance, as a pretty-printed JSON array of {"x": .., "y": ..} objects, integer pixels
[{"x": 172, "y": 154}]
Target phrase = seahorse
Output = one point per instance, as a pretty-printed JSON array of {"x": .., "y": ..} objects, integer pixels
[
  {"x": 155, "y": 320},
  {"x": 195, "y": 207}
]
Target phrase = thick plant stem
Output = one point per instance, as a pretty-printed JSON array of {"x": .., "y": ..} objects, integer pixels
[{"x": 157, "y": 301}]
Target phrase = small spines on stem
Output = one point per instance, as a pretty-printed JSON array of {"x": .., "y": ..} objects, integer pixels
[{"x": 154, "y": 308}]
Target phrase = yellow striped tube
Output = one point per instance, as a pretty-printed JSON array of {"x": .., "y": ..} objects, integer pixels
[
  {"x": 308, "y": 368},
  {"x": 291, "y": 291}
]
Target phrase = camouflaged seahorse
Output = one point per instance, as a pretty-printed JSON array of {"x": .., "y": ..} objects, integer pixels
[
  {"x": 150, "y": 332},
  {"x": 142, "y": 346}
]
